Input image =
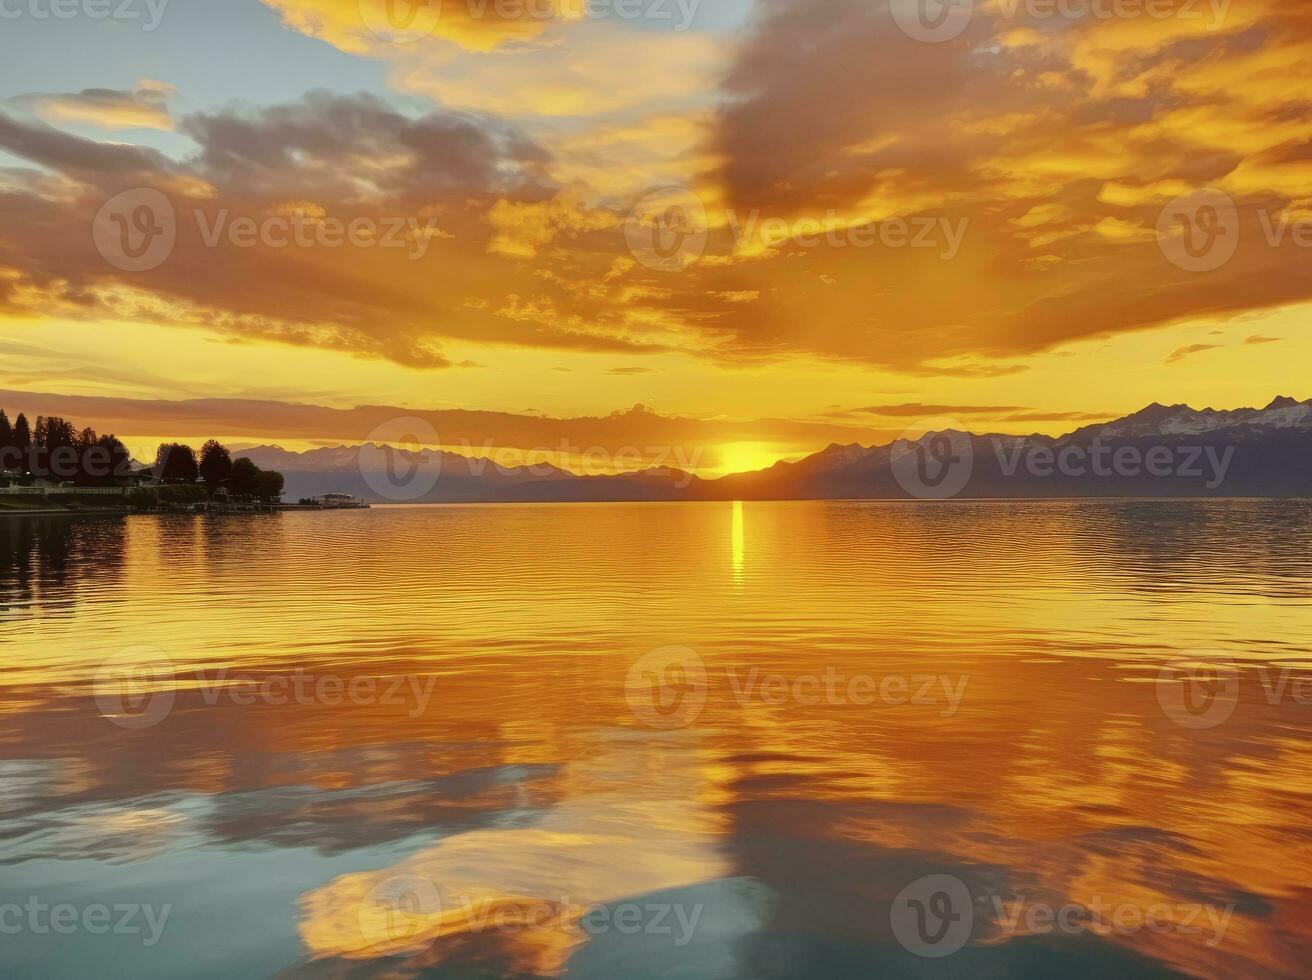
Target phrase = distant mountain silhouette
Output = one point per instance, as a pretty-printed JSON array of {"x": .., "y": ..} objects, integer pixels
[{"x": 1160, "y": 451}]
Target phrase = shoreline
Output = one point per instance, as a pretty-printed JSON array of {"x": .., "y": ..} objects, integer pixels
[
  {"x": 164, "y": 512},
  {"x": 295, "y": 508}
]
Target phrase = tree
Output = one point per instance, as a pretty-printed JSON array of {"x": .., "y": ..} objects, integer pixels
[
  {"x": 120, "y": 460},
  {"x": 268, "y": 484},
  {"x": 10, "y": 458},
  {"x": 215, "y": 464},
  {"x": 103, "y": 458},
  {"x": 22, "y": 434},
  {"x": 57, "y": 433},
  {"x": 176, "y": 463},
  {"x": 55, "y": 449},
  {"x": 244, "y": 481},
  {"x": 89, "y": 465}
]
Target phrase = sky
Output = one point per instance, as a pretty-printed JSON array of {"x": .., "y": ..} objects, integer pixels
[{"x": 763, "y": 224}]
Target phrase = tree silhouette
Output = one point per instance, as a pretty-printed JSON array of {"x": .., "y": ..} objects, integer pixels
[
  {"x": 54, "y": 448},
  {"x": 215, "y": 464},
  {"x": 176, "y": 463},
  {"x": 10, "y": 459},
  {"x": 119, "y": 459},
  {"x": 22, "y": 433},
  {"x": 56, "y": 433},
  {"x": 100, "y": 459},
  {"x": 244, "y": 481},
  {"x": 268, "y": 485},
  {"x": 89, "y": 465},
  {"x": 248, "y": 480}
]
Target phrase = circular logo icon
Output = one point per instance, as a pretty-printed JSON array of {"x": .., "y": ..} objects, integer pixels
[
  {"x": 1198, "y": 690},
  {"x": 135, "y": 688},
  {"x": 396, "y": 462},
  {"x": 936, "y": 465},
  {"x": 400, "y": 915},
  {"x": 667, "y": 229},
  {"x": 400, "y": 21},
  {"x": 666, "y": 688},
  {"x": 1199, "y": 232},
  {"x": 933, "y": 21},
  {"x": 136, "y": 230},
  {"x": 933, "y": 916}
]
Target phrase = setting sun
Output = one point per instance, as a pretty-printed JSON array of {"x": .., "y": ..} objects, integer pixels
[{"x": 745, "y": 457}]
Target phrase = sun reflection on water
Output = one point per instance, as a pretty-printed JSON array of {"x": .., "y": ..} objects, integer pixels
[{"x": 738, "y": 541}]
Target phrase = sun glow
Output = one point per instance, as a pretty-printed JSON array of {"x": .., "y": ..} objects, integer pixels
[{"x": 744, "y": 457}]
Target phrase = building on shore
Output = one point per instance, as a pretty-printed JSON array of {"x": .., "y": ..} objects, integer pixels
[{"x": 338, "y": 501}]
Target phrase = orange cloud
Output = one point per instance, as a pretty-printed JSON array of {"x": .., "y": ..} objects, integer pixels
[{"x": 380, "y": 27}]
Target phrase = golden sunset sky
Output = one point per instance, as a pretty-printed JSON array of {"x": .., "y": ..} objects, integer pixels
[{"x": 518, "y": 144}]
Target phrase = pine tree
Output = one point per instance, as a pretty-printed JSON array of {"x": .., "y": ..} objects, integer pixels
[
  {"x": 22, "y": 433},
  {"x": 9, "y": 458}
]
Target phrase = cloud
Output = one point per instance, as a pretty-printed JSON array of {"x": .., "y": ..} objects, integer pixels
[
  {"x": 77, "y": 157},
  {"x": 995, "y": 413},
  {"x": 629, "y": 156},
  {"x": 532, "y": 59},
  {"x": 487, "y": 248},
  {"x": 921, "y": 410},
  {"x": 1059, "y": 417},
  {"x": 595, "y": 69},
  {"x": 325, "y": 158},
  {"x": 381, "y": 27},
  {"x": 144, "y": 108},
  {"x": 524, "y": 227},
  {"x": 358, "y": 146},
  {"x": 1183, "y": 352},
  {"x": 1259, "y": 339},
  {"x": 1026, "y": 165},
  {"x": 1056, "y": 142}
]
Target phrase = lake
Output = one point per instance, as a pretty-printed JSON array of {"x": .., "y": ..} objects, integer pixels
[{"x": 1018, "y": 739}]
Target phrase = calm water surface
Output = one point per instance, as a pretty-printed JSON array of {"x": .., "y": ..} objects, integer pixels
[{"x": 699, "y": 741}]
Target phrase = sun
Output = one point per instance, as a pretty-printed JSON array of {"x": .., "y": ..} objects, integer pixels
[{"x": 743, "y": 457}]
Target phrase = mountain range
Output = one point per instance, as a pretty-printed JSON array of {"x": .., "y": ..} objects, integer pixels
[{"x": 1160, "y": 451}]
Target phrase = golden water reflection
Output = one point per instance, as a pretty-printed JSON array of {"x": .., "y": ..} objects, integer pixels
[
  {"x": 739, "y": 536},
  {"x": 525, "y": 781}
]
